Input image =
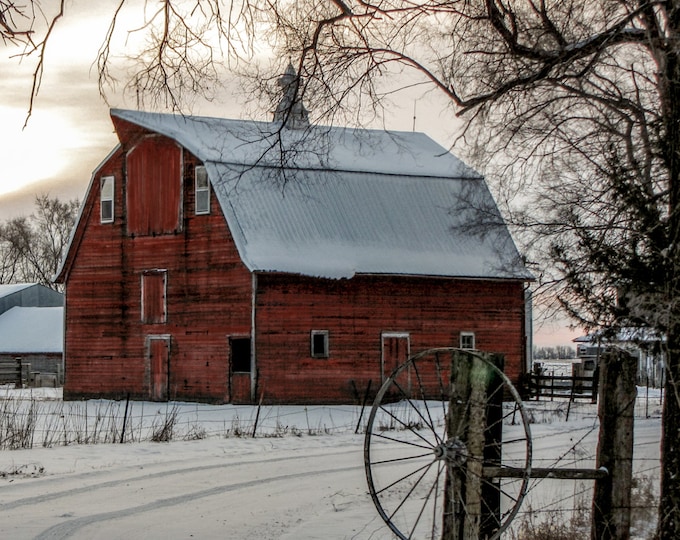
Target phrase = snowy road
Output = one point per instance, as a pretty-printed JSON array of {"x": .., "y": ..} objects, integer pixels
[
  {"x": 199, "y": 493},
  {"x": 268, "y": 488}
]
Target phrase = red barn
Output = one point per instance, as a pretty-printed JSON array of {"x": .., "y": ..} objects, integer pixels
[{"x": 224, "y": 261}]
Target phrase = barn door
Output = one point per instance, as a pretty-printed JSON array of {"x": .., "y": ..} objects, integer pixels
[
  {"x": 396, "y": 348},
  {"x": 159, "y": 367},
  {"x": 240, "y": 369}
]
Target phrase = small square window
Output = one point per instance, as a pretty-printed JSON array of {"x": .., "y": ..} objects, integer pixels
[
  {"x": 106, "y": 199},
  {"x": 319, "y": 343},
  {"x": 202, "y": 191},
  {"x": 467, "y": 340}
]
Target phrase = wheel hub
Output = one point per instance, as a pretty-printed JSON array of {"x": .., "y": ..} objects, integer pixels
[{"x": 453, "y": 451}]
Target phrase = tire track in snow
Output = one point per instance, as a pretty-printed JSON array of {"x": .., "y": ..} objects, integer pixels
[
  {"x": 68, "y": 528},
  {"x": 31, "y": 501}
]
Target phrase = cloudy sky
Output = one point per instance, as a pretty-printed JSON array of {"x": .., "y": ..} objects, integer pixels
[{"x": 70, "y": 130}]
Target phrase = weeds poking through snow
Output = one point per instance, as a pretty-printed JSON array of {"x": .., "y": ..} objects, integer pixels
[
  {"x": 29, "y": 470},
  {"x": 17, "y": 424},
  {"x": 574, "y": 523},
  {"x": 163, "y": 429}
]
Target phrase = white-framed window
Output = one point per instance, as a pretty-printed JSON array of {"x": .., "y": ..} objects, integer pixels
[
  {"x": 202, "y": 191},
  {"x": 467, "y": 340},
  {"x": 106, "y": 199},
  {"x": 319, "y": 343}
]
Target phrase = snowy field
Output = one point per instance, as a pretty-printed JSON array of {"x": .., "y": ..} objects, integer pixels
[{"x": 301, "y": 477}]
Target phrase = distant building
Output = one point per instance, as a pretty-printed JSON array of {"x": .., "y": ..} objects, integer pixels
[
  {"x": 646, "y": 346},
  {"x": 28, "y": 295},
  {"x": 31, "y": 334}
]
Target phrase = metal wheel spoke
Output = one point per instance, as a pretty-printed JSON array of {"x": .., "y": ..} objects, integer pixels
[
  {"x": 422, "y": 509},
  {"x": 417, "y": 411},
  {"x": 399, "y": 480},
  {"x": 430, "y": 423},
  {"x": 410, "y": 491},
  {"x": 397, "y": 460},
  {"x": 436, "y": 496},
  {"x": 402, "y": 441},
  {"x": 406, "y": 426}
]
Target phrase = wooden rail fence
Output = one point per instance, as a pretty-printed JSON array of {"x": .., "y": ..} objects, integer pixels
[
  {"x": 561, "y": 387},
  {"x": 11, "y": 371}
]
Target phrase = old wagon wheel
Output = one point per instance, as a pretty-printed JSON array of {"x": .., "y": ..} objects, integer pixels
[{"x": 433, "y": 457}]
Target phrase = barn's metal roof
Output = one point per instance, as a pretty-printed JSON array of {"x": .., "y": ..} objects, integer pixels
[{"x": 334, "y": 202}]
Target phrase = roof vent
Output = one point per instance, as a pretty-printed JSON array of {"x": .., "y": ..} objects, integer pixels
[{"x": 290, "y": 109}]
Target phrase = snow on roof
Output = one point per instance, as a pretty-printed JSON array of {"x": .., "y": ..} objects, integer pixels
[
  {"x": 336, "y": 202},
  {"x": 622, "y": 335},
  {"x": 339, "y": 224},
  {"x": 32, "y": 330},
  {"x": 243, "y": 142},
  {"x": 6, "y": 290}
]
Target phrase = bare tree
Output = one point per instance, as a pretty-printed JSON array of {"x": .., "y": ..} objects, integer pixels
[
  {"x": 31, "y": 247},
  {"x": 575, "y": 105}
]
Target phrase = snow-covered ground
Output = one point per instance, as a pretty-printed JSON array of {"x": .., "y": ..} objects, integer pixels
[{"x": 301, "y": 477}]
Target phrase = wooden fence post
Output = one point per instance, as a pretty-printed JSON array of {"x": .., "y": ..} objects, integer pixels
[
  {"x": 471, "y": 504},
  {"x": 612, "y": 494}
]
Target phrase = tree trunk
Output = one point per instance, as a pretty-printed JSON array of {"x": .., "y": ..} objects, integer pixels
[{"x": 669, "y": 505}]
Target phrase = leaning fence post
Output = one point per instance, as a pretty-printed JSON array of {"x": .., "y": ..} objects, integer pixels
[{"x": 612, "y": 494}]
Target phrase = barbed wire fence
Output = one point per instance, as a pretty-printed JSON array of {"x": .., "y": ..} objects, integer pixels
[{"x": 28, "y": 421}]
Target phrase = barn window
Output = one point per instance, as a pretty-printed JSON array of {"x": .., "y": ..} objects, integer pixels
[
  {"x": 467, "y": 340},
  {"x": 106, "y": 199},
  {"x": 154, "y": 305},
  {"x": 240, "y": 355},
  {"x": 202, "y": 191},
  {"x": 319, "y": 343}
]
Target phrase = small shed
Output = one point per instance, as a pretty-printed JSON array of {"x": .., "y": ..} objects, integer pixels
[
  {"x": 31, "y": 335},
  {"x": 647, "y": 346}
]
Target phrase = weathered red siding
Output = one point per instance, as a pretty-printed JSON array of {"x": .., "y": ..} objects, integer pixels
[
  {"x": 356, "y": 312},
  {"x": 182, "y": 350},
  {"x": 208, "y": 299}
]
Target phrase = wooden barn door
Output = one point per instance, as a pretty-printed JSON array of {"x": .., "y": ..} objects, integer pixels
[
  {"x": 240, "y": 369},
  {"x": 159, "y": 367},
  {"x": 396, "y": 348}
]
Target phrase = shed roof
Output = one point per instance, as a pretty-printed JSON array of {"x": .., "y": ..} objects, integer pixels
[
  {"x": 32, "y": 330},
  {"x": 28, "y": 295},
  {"x": 334, "y": 202},
  {"x": 11, "y": 288}
]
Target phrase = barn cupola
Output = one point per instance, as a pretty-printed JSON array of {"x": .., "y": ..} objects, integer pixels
[{"x": 290, "y": 109}]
